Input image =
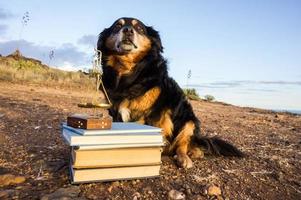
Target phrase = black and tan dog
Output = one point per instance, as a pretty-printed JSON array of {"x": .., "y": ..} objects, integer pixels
[{"x": 136, "y": 77}]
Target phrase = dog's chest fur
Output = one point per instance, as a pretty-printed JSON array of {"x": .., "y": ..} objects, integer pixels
[
  {"x": 141, "y": 106},
  {"x": 124, "y": 64}
]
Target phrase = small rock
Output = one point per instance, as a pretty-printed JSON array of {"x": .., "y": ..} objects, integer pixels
[
  {"x": 136, "y": 196},
  {"x": 9, "y": 179},
  {"x": 64, "y": 193},
  {"x": 37, "y": 127},
  {"x": 92, "y": 196},
  {"x": 188, "y": 191},
  {"x": 175, "y": 195},
  {"x": 18, "y": 187},
  {"x": 2, "y": 139},
  {"x": 274, "y": 157},
  {"x": 6, "y": 193},
  {"x": 214, "y": 191},
  {"x": 3, "y": 194},
  {"x": 198, "y": 178},
  {"x": 115, "y": 184},
  {"x": 110, "y": 189},
  {"x": 3, "y": 170}
]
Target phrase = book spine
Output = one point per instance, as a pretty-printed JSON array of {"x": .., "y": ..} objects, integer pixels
[
  {"x": 117, "y": 157},
  {"x": 110, "y": 174}
]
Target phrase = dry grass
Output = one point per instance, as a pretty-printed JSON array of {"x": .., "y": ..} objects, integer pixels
[
  {"x": 192, "y": 94},
  {"x": 33, "y": 72}
]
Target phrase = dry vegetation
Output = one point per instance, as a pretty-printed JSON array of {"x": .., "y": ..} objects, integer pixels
[{"x": 18, "y": 69}]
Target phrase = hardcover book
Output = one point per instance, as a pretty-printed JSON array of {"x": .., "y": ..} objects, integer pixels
[
  {"x": 116, "y": 157},
  {"x": 114, "y": 173},
  {"x": 74, "y": 139}
]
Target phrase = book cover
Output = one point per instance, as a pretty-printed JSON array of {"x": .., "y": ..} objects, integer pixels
[
  {"x": 117, "y": 128},
  {"x": 116, "y": 157},
  {"x": 74, "y": 139},
  {"x": 110, "y": 174}
]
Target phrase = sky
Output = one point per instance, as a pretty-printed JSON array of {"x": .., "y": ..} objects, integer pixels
[{"x": 245, "y": 53}]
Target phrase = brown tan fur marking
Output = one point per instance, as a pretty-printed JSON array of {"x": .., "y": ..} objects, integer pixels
[
  {"x": 181, "y": 145},
  {"x": 146, "y": 101},
  {"x": 195, "y": 152},
  {"x": 134, "y": 22},
  {"x": 141, "y": 121},
  {"x": 121, "y": 21},
  {"x": 141, "y": 104},
  {"x": 165, "y": 123},
  {"x": 124, "y": 104}
]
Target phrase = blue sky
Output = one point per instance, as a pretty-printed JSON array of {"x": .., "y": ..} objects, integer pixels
[{"x": 242, "y": 52}]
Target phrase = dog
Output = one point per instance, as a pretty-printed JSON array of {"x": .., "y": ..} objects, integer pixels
[{"x": 136, "y": 78}]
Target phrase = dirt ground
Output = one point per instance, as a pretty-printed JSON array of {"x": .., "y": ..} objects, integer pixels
[{"x": 31, "y": 146}]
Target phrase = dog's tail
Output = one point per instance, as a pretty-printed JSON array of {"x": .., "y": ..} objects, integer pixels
[{"x": 217, "y": 146}]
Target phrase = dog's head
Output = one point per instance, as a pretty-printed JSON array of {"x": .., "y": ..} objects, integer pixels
[{"x": 128, "y": 36}]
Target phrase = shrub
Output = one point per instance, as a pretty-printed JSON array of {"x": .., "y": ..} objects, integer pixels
[
  {"x": 25, "y": 70},
  {"x": 191, "y": 93},
  {"x": 209, "y": 97}
]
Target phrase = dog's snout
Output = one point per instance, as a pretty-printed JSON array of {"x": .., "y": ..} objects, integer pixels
[{"x": 128, "y": 30}]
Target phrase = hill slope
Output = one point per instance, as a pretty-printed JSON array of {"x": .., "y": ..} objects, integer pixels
[{"x": 19, "y": 69}]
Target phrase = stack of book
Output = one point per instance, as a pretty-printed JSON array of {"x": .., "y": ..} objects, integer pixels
[{"x": 126, "y": 151}]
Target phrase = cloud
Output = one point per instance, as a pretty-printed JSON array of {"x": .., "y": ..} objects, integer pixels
[
  {"x": 280, "y": 82},
  {"x": 66, "y": 53},
  {"x": 67, "y": 67},
  {"x": 261, "y": 90},
  {"x": 3, "y": 28},
  {"x": 69, "y": 53},
  {"x": 243, "y": 83},
  {"x": 206, "y": 85},
  {"x": 226, "y": 84},
  {"x": 230, "y": 84},
  {"x": 5, "y": 14},
  {"x": 89, "y": 40}
]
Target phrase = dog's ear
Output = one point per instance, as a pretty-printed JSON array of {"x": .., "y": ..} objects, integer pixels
[
  {"x": 155, "y": 37},
  {"x": 101, "y": 39}
]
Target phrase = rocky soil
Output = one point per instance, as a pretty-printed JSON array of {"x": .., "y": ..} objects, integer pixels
[{"x": 34, "y": 157}]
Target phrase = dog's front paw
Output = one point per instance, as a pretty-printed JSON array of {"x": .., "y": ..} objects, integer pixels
[
  {"x": 125, "y": 114},
  {"x": 184, "y": 161}
]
